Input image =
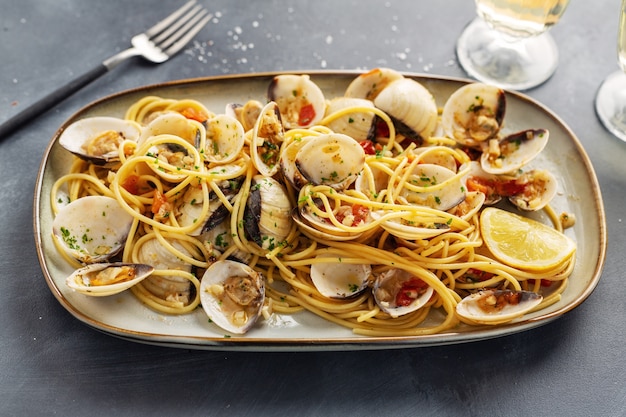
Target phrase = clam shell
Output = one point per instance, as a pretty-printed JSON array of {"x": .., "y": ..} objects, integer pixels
[
  {"x": 472, "y": 204},
  {"x": 337, "y": 279},
  {"x": 171, "y": 288},
  {"x": 300, "y": 101},
  {"x": 224, "y": 139},
  {"x": 267, "y": 217},
  {"x": 247, "y": 114},
  {"x": 514, "y": 151},
  {"x": 330, "y": 159},
  {"x": 232, "y": 295},
  {"x": 436, "y": 155},
  {"x": 316, "y": 228},
  {"x": 92, "y": 229},
  {"x": 497, "y": 306},
  {"x": 411, "y": 104},
  {"x": 431, "y": 190},
  {"x": 474, "y": 113},
  {"x": 370, "y": 84},
  {"x": 172, "y": 123},
  {"x": 390, "y": 283},
  {"x": 400, "y": 225},
  {"x": 357, "y": 125},
  {"x": 540, "y": 190},
  {"x": 267, "y": 138},
  {"x": 104, "y": 279},
  {"x": 288, "y": 163},
  {"x": 97, "y": 139}
]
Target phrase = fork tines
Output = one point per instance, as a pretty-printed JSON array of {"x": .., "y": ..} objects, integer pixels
[{"x": 176, "y": 30}]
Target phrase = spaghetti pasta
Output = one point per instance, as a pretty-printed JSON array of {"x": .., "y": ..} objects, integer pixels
[{"x": 387, "y": 218}]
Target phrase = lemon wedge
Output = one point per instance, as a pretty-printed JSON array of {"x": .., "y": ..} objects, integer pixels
[{"x": 524, "y": 243}]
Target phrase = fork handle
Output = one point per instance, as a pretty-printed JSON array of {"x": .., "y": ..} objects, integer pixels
[{"x": 47, "y": 102}]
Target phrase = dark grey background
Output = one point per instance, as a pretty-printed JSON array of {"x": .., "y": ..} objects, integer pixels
[{"x": 51, "y": 364}]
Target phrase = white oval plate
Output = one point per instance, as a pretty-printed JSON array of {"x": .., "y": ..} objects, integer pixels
[{"x": 124, "y": 316}]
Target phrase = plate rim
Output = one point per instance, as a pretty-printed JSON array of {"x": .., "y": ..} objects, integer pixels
[{"x": 343, "y": 344}]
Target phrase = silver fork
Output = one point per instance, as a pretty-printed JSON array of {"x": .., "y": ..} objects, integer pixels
[{"x": 157, "y": 44}]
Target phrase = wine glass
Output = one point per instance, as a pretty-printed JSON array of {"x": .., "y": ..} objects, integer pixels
[
  {"x": 611, "y": 96},
  {"x": 508, "y": 45}
]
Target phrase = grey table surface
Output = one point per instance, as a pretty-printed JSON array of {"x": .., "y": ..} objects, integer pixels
[{"x": 52, "y": 364}]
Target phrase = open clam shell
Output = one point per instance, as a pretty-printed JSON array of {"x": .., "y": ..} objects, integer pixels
[
  {"x": 496, "y": 306},
  {"x": 300, "y": 101},
  {"x": 232, "y": 295},
  {"x": 97, "y": 139},
  {"x": 397, "y": 292},
  {"x": 267, "y": 138},
  {"x": 511, "y": 153},
  {"x": 474, "y": 113},
  {"x": 338, "y": 279},
  {"x": 92, "y": 229},
  {"x": 359, "y": 125},
  {"x": 104, "y": 279},
  {"x": 540, "y": 187}
]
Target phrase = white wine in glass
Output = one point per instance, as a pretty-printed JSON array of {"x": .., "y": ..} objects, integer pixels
[
  {"x": 508, "y": 44},
  {"x": 611, "y": 97}
]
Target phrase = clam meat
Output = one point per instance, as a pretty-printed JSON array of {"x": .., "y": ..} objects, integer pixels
[{"x": 232, "y": 295}]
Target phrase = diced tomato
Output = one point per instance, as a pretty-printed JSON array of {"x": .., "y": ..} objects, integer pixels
[
  {"x": 480, "y": 185},
  {"x": 159, "y": 200},
  {"x": 307, "y": 114},
  {"x": 130, "y": 184},
  {"x": 411, "y": 289},
  {"x": 360, "y": 213},
  {"x": 368, "y": 147},
  {"x": 509, "y": 188},
  {"x": 502, "y": 188}
]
